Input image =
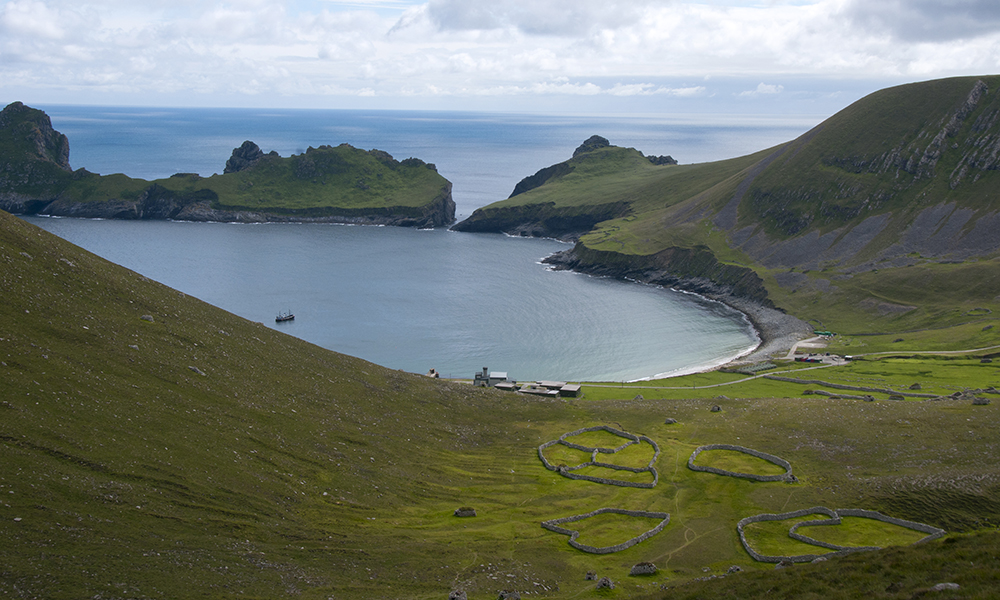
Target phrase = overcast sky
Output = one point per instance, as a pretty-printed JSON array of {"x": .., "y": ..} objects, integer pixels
[{"x": 612, "y": 56}]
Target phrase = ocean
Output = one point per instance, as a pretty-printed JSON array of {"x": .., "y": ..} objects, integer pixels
[{"x": 408, "y": 299}]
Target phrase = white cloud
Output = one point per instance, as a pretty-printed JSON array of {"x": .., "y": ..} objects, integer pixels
[
  {"x": 763, "y": 89},
  {"x": 926, "y": 20},
  {"x": 618, "y": 49}
]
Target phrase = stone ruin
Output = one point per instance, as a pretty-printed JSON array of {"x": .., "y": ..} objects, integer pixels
[
  {"x": 786, "y": 476},
  {"x": 554, "y": 526},
  {"x": 594, "y": 462},
  {"x": 643, "y": 568},
  {"x": 834, "y": 519}
]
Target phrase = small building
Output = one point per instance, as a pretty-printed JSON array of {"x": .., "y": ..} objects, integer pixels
[
  {"x": 537, "y": 390},
  {"x": 487, "y": 379},
  {"x": 506, "y": 386},
  {"x": 570, "y": 390},
  {"x": 552, "y": 385}
]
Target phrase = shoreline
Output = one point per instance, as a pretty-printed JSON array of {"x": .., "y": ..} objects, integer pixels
[{"x": 778, "y": 331}]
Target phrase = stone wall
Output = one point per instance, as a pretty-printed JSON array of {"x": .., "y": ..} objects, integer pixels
[
  {"x": 786, "y": 476},
  {"x": 554, "y": 525},
  {"x": 594, "y": 462},
  {"x": 841, "y": 386},
  {"x": 835, "y": 515}
]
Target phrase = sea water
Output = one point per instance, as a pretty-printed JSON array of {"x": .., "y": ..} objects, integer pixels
[{"x": 411, "y": 299}]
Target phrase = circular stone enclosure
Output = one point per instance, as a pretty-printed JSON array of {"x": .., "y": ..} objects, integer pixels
[{"x": 787, "y": 466}]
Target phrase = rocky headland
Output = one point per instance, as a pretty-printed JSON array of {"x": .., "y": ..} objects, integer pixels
[
  {"x": 545, "y": 218},
  {"x": 328, "y": 184}
]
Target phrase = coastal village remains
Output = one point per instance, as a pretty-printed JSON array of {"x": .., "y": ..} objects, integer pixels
[{"x": 155, "y": 445}]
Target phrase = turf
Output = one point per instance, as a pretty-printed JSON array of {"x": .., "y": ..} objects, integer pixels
[{"x": 157, "y": 447}]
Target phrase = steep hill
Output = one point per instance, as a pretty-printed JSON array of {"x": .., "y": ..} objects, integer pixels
[
  {"x": 157, "y": 447},
  {"x": 328, "y": 184},
  {"x": 882, "y": 218}
]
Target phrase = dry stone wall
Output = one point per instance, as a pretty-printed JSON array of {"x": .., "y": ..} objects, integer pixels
[
  {"x": 554, "y": 525},
  {"x": 841, "y": 386},
  {"x": 834, "y": 519},
  {"x": 786, "y": 476},
  {"x": 596, "y": 451}
]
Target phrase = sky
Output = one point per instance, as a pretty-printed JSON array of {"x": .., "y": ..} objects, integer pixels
[{"x": 539, "y": 56}]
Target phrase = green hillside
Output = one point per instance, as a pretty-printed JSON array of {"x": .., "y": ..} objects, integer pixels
[
  {"x": 881, "y": 219},
  {"x": 336, "y": 184},
  {"x": 157, "y": 447}
]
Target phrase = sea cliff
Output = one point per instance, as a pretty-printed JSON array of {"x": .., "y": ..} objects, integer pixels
[{"x": 328, "y": 184}]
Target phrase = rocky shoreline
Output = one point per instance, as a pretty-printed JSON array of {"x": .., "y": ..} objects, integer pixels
[
  {"x": 777, "y": 330},
  {"x": 174, "y": 207}
]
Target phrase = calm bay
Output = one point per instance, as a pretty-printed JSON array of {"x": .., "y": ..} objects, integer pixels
[{"x": 411, "y": 299}]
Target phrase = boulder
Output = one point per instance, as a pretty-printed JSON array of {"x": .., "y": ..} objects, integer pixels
[
  {"x": 716, "y": 408},
  {"x": 457, "y": 595},
  {"x": 670, "y": 421},
  {"x": 465, "y": 511},
  {"x": 941, "y": 587},
  {"x": 643, "y": 568}
]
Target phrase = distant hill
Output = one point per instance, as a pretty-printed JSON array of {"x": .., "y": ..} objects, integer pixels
[
  {"x": 884, "y": 217},
  {"x": 326, "y": 184}
]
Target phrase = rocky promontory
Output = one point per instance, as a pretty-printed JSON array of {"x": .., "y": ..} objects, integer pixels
[
  {"x": 534, "y": 215},
  {"x": 328, "y": 184}
]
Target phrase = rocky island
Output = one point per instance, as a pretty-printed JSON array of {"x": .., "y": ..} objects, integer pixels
[{"x": 329, "y": 184}]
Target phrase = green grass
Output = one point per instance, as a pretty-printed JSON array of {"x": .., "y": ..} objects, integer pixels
[
  {"x": 859, "y": 531},
  {"x": 289, "y": 470},
  {"x": 893, "y": 574},
  {"x": 770, "y": 538},
  {"x": 895, "y": 372},
  {"x": 737, "y": 462}
]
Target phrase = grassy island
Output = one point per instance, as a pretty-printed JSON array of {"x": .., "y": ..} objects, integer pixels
[{"x": 339, "y": 184}]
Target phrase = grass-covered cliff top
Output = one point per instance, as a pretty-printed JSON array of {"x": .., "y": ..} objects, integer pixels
[
  {"x": 157, "y": 447},
  {"x": 325, "y": 177},
  {"x": 322, "y": 182}
]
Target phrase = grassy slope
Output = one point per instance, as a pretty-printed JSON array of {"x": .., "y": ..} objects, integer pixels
[
  {"x": 832, "y": 177},
  {"x": 285, "y": 469},
  {"x": 340, "y": 177},
  {"x": 840, "y": 171}
]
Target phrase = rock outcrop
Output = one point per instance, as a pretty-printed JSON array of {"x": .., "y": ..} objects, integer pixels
[
  {"x": 594, "y": 142},
  {"x": 244, "y": 157}
]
